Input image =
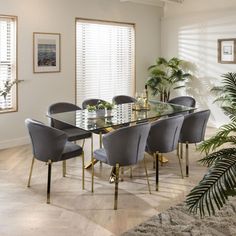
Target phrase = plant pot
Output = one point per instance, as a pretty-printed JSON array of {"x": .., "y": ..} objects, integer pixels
[
  {"x": 100, "y": 112},
  {"x": 109, "y": 112},
  {"x": 91, "y": 114}
]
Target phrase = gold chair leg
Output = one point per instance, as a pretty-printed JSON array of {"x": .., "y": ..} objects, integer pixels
[
  {"x": 64, "y": 168},
  {"x": 31, "y": 170},
  {"x": 156, "y": 156},
  {"x": 187, "y": 160},
  {"x": 177, "y": 150},
  {"x": 100, "y": 143},
  {"x": 92, "y": 181},
  {"x": 181, "y": 150},
  {"x": 180, "y": 165},
  {"x": 83, "y": 144},
  {"x": 116, "y": 186},
  {"x": 83, "y": 170},
  {"x": 145, "y": 167},
  {"x": 131, "y": 172},
  {"x": 49, "y": 180}
]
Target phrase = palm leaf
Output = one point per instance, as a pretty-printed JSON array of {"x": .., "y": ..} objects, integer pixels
[{"x": 211, "y": 192}]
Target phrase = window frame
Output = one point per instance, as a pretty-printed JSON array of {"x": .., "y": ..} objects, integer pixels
[
  {"x": 108, "y": 22},
  {"x": 14, "y": 108}
]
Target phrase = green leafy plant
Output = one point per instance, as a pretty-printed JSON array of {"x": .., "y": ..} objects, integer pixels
[
  {"x": 6, "y": 87},
  {"x": 109, "y": 106},
  {"x": 220, "y": 181},
  {"x": 101, "y": 106},
  {"x": 91, "y": 108},
  {"x": 166, "y": 76}
]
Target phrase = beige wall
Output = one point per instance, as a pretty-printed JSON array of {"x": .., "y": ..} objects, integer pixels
[
  {"x": 190, "y": 31},
  {"x": 38, "y": 91}
]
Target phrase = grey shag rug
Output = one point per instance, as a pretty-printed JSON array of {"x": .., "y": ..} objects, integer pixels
[{"x": 176, "y": 221}]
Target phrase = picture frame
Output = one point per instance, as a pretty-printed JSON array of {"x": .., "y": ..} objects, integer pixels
[
  {"x": 46, "y": 52},
  {"x": 227, "y": 51}
]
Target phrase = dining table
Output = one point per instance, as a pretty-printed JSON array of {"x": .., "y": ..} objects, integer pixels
[{"x": 120, "y": 116}]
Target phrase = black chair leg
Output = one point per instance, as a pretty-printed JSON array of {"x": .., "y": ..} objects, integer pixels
[
  {"x": 49, "y": 180},
  {"x": 116, "y": 186},
  {"x": 187, "y": 160},
  {"x": 156, "y": 156}
]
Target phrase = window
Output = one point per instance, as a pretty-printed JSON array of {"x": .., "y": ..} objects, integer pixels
[
  {"x": 8, "y": 61},
  {"x": 105, "y": 59}
]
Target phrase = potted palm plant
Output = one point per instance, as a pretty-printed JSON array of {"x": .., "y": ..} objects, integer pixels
[
  {"x": 220, "y": 181},
  {"x": 167, "y": 75}
]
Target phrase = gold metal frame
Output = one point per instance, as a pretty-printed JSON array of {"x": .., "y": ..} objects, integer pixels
[
  {"x": 13, "y": 109},
  {"x": 59, "y": 48}
]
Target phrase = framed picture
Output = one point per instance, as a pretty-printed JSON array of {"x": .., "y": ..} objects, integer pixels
[
  {"x": 227, "y": 51},
  {"x": 46, "y": 56}
]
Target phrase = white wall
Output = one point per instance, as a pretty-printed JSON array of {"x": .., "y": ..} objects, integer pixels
[
  {"x": 38, "y": 91},
  {"x": 190, "y": 31}
]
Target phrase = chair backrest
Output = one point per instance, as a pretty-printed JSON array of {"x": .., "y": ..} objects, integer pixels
[
  {"x": 61, "y": 107},
  {"x": 126, "y": 146},
  {"x": 194, "y": 127},
  {"x": 91, "y": 102},
  {"x": 47, "y": 142},
  {"x": 121, "y": 99},
  {"x": 164, "y": 134},
  {"x": 184, "y": 101}
]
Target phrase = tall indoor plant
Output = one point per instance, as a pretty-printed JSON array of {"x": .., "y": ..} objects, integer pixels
[
  {"x": 220, "y": 181},
  {"x": 167, "y": 75}
]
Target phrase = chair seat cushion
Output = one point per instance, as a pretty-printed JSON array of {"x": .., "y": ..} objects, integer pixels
[
  {"x": 76, "y": 134},
  {"x": 71, "y": 150},
  {"x": 100, "y": 155}
]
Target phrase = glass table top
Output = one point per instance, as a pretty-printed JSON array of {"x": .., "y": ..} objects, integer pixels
[{"x": 120, "y": 114}]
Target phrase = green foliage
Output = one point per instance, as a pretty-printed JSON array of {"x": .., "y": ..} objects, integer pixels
[
  {"x": 220, "y": 182},
  {"x": 166, "y": 76},
  {"x": 6, "y": 87},
  {"x": 91, "y": 108}
]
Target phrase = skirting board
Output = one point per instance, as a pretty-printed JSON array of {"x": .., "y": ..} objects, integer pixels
[{"x": 14, "y": 142}]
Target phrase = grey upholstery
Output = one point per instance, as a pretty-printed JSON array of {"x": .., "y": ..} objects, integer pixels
[
  {"x": 164, "y": 134},
  {"x": 123, "y": 147},
  {"x": 91, "y": 102},
  {"x": 163, "y": 138},
  {"x": 184, "y": 101},
  {"x": 194, "y": 127},
  {"x": 193, "y": 131},
  {"x": 50, "y": 145},
  {"x": 72, "y": 132},
  {"x": 121, "y": 99}
]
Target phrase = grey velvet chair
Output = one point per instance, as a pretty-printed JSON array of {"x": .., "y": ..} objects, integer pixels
[
  {"x": 124, "y": 147},
  {"x": 50, "y": 145},
  {"x": 193, "y": 131},
  {"x": 184, "y": 101},
  {"x": 72, "y": 132},
  {"x": 121, "y": 99},
  {"x": 163, "y": 138}
]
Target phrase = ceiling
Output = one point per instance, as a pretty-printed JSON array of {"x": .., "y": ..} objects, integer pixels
[{"x": 159, "y": 3}]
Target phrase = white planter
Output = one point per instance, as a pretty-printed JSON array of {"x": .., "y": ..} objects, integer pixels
[
  {"x": 109, "y": 112},
  {"x": 100, "y": 112}
]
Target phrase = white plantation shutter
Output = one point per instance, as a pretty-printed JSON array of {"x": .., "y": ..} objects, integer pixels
[
  {"x": 105, "y": 60},
  {"x": 8, "y": 58}
]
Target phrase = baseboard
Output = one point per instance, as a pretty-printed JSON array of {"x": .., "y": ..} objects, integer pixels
[{"x": 14, "y": 142}]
